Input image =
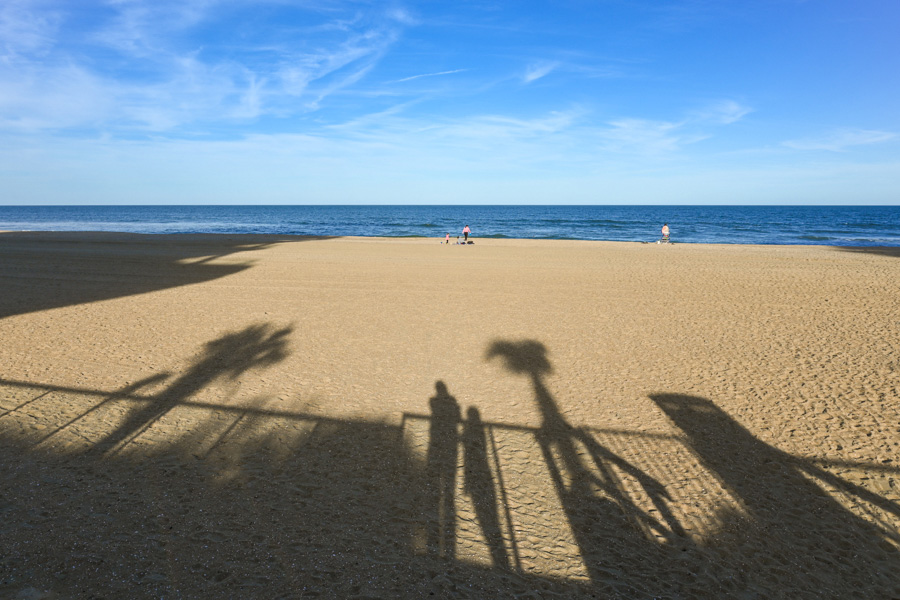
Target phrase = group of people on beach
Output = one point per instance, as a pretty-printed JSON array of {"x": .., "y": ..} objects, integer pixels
[{"x": 466, "y": 231}]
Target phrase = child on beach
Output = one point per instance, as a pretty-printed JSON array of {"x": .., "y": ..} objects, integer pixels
[
  {"x": 665, "y": 232},
  {"x": 447, "y": 239}
]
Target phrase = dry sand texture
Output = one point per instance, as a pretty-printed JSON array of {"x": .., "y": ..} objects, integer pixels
[{"x": 263, "y": 417}]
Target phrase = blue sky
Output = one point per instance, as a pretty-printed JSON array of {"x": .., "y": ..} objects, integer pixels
[{"x": 481, "y": 102}]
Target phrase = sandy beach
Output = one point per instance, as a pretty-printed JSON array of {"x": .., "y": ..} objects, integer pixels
[{"x": 282, "y": 417}]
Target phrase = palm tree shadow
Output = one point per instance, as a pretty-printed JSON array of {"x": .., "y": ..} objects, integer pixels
[
  {"x": 596, "y": 505},
  {"x": 256, "y": 346},
  {"x": 792, "y": 531}
]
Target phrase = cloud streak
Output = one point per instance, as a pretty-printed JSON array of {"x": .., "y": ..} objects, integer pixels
[
  {"x": 724, "y": 112},
  {"x": 142, "y": 66},
  {"x": 539, "y": 70},
  {"x": 429, "y": 75},
  {"x": 388, "y": 163},
  {"x": 24, "y": 30},
  {"x": 841, "y": 139},
  {"x": 646, "y": 137}
]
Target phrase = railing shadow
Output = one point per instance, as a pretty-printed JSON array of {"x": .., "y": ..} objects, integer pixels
[
  {"x": 44, "y": 270},
  {"x": 151, "y": 491}
]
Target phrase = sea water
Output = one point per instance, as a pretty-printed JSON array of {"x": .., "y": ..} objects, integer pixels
[{"x": 823, "y": 225}]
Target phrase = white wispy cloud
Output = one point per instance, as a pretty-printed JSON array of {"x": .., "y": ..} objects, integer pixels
[
  {"x": 646, "y": 136},
  {"x": 345, "y": 79},
  {"x": 62, "y": 96},
  {"x": 653, "y": 137},
  {"x": 498, "y": 129},
  {"x": 153, "y": 74},
  {"x": 402, "y": 16},
  {"x": 24, "y": 30},
  {"x": 573, "y": 133},
  {"x": 429, "y": 75},
  {"x": 538, "y": 70},
  {"x": 141, "y": 28},
  {"x": 302, "y": 69},
  {"x": 724, "y": 112},
  {"x": 295, "y": 168},
  {"x": 841, "y": 139}
]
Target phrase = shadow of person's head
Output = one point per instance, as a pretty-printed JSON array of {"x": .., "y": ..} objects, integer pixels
[{"x": 440, "y": 389}]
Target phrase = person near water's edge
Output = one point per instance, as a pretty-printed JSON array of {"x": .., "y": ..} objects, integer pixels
[
  {"x": 466, "y": 232},
  {"x": 665, "y": 232}
]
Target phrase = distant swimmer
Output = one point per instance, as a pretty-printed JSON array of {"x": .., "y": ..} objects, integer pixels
[{"x": 466, "y": 232}]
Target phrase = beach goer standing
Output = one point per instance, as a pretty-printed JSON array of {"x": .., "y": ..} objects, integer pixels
[
  {"x": 665, "y": 232},
  {"x": 447, "y": 239},
  {"x": 466, "y": 232}
]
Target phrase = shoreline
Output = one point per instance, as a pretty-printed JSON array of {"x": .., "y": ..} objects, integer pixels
[
  {"x": 277, "y": 237},
  {"x": 766, "y": 225}
]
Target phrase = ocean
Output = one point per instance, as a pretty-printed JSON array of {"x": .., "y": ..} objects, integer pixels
[{"x": 819, "y": 225}]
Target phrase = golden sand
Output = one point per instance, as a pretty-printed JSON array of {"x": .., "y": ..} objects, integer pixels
[{"x": 283, "y": 417}]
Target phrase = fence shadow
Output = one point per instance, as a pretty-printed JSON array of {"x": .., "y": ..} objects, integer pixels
[
  {"x": 44, "y": 270},
  {"x": 151, "y": 491}
]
